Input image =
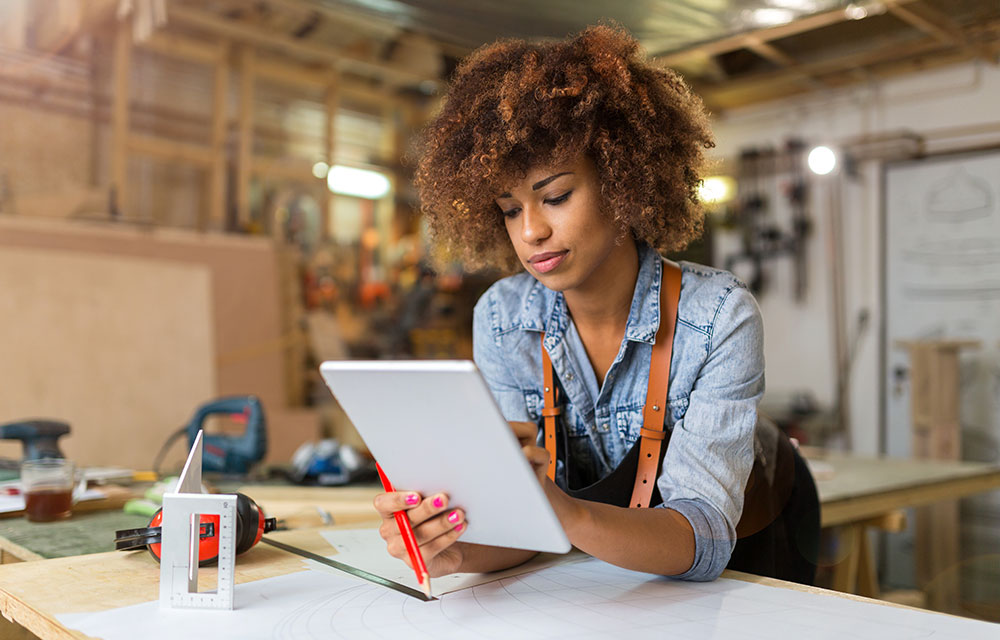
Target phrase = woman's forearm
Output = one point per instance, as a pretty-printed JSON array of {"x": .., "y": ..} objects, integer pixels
[
  {"x": 657, "y": 541},
  {"x": 479, "y": 558}
]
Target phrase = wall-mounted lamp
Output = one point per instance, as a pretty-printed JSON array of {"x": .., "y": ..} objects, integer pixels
[
  {"x": 320, "y": 169},
  {"x": 351, "y": 181},
  {"x": 717, "y": 189},
  {"x": 822, "y": 160}
]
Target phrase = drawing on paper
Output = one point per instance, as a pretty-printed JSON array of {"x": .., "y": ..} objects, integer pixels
[
  {"x": 959, "y": 197},
  {"x": 584, "y": 600}
]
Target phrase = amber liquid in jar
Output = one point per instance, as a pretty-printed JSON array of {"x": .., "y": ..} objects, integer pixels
[{"x": 46, "y": 505}]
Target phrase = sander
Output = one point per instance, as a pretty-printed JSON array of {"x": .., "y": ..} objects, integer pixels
[{"x": 40, "y": 438}]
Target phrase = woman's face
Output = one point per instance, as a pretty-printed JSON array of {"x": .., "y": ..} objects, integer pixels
[{"x": 554, "y": 220}]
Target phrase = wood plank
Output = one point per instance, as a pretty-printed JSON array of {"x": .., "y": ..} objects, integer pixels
[
  {"x": 290, "y": 169},
  {"x": 11, "y": 552},
  {"x": 291, "y": 74},
  {"x": 331, "y": 101},
  {"x": 845, "y": 572},
  {"x": 343, "y": 504},
  {"x": 171, "y": 150},
  {"x": 175, "y": 45},
  {"x": 244, "y": 157},
  {"x": 120, "y": 116},
  {"x": 220, "y": 118}
]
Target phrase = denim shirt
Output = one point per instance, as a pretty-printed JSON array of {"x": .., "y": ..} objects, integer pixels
[{"x": 716, "y": 382}]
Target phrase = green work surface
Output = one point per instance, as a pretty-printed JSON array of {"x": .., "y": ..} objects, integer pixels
[{"x": 83, "y": 533}]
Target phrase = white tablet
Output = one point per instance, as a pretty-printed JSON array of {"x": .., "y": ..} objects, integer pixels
[{"x": 434, "y": 427}]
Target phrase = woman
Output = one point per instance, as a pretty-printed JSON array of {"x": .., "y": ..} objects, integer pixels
[{"x": 576, "y": 162}]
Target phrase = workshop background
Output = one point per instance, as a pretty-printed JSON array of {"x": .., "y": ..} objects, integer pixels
[{"x": 207, "y": 198}]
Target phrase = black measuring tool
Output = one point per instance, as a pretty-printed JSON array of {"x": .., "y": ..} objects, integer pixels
[{"x": 354, "y": 571}]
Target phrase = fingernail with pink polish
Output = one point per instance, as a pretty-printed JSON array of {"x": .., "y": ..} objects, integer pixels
[
  {"x": 460, "y": 527},
  {"x": 412, "y": 498},
  {"x": 453, "y": 517},
  {"x": 438, "y": 502}
]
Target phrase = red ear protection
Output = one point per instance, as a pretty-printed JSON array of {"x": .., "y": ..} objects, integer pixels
[{"x": 250, "y": 526}]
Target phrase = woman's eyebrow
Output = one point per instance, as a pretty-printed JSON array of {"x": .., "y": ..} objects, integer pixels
[
  {"x": 538, "y": 185},
  {"x": 541, "y": 183}
]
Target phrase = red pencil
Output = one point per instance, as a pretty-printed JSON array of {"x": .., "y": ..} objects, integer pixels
[{"x": 406, "y": 530}]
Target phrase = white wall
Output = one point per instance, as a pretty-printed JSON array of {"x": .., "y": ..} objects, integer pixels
[{"x": 799, "y": 336}]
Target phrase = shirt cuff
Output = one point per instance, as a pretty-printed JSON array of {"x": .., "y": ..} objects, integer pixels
[{"x": 713, "y": 540}]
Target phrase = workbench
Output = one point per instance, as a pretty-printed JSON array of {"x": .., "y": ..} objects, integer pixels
[
  {"x": 862, "y": 493},
  {"x": 92, "y": 530},
  {"x": 33, "y": 593},
  {"x": 869, "y": 492}
]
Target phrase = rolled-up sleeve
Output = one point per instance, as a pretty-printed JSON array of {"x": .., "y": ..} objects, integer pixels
[
  {"x": 488, "y": 356},
  {"x": 710, "y": 454}
]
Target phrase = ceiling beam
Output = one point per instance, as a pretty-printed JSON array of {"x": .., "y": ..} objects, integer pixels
[
  {"x": 772, "y": 79},
  {"x": 745, "y": 40},
  {"x": 770, "y": 52},
  {"x": 919, "y": 56},
  {"x": 265, "y": 39},
  {"x": 937, "y": 25},
  {"x": 341, "y": 16}
]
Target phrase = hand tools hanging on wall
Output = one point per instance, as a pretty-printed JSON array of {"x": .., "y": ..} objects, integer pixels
[{"x": 771, "y": 215}]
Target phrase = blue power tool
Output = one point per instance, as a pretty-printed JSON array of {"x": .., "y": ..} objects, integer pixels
[{"x": 231, "y": 453}]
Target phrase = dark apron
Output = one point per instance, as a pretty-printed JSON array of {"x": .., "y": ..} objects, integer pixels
[{"x": 778, "y": 533}]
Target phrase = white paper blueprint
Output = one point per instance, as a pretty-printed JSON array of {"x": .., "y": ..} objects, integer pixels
[
  {"x": 365, "y": 549},
  {"x": 583, "y": 600}
]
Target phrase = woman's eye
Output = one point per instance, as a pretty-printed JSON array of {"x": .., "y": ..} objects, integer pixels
[
  {"x": 510, "y": 213},
  {"x": 559, "y": 199}
]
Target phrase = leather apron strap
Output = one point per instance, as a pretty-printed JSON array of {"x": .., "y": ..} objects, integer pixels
[
  {"x": 656, "y": 389},
  {"x": 551, "y": 410},
  {"x": 652, "y": 432}
]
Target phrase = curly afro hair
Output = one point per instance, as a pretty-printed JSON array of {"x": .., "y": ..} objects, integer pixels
[{"x": 513, "y": 104}]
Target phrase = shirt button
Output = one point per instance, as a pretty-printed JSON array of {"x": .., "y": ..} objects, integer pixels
[
  {"x": 570, "y": 376},
  {"x": 604, "y": 426}
]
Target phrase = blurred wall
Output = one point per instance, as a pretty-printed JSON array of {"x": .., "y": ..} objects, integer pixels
[{"x": 798, "y": 336}]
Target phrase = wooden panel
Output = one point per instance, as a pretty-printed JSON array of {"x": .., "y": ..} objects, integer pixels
[
  {"x": 244, "y": 323},
  {"x": 119, "y": 347}
]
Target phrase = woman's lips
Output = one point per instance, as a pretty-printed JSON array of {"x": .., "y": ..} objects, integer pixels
[{"x": 545, "y": 262}]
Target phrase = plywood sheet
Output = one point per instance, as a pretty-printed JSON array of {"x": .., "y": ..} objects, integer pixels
[{"x": 120, "y": 347}]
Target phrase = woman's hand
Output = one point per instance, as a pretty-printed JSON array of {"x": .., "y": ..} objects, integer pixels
[
  {"x": 435, "y": 526},
  {"x": 527, "y": 435}
]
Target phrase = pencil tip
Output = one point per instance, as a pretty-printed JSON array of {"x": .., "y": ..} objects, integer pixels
[{"x": 425, "y": 584}]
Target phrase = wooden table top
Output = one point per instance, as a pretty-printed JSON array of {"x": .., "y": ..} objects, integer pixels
[
  {"x": 32, "y": 593},
  {"x": 863, "y": 487}
]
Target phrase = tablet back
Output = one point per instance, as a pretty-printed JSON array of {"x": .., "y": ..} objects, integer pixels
[{"x": 433, "y": 426}]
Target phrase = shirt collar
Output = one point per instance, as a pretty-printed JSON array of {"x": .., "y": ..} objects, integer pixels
[
  {"x": 545, "y": 310},
  {"x": 644, "y": 315}
]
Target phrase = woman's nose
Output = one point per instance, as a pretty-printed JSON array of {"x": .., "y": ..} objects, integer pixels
[{"x": 534, "y": 226}]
